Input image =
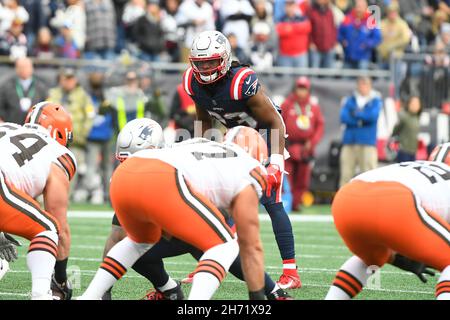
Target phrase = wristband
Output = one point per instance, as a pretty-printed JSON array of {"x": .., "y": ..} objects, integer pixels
[{"x": 277, "y": 159}]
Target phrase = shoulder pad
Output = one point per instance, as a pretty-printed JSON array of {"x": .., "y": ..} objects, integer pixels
[
  {"x": 244, "y": 84},
  {"x": 187, "y": 81}
]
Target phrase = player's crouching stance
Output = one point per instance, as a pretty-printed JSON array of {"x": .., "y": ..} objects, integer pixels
[
  {"x": 399, "y": 214},
  {"x": 176, "y": 192},
  {"x": 141, "y": 134},
  {"x": 34, "y": 161}
]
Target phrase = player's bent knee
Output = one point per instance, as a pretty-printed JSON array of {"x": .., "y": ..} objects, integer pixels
[
  {"x": 226, "y": 252},
  {"x": 52, "y": 235}
]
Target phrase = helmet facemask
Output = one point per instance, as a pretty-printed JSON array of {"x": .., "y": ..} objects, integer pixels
[{"x": 208, "y": 70}]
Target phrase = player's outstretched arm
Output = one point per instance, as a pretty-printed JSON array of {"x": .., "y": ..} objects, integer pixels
[
  {"x": 265, "y": 113},
  {"x": 56, "y": 202},
  {"x": 245, "y": 214}
]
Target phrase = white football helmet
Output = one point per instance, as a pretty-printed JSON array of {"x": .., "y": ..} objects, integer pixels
[
  {"x": 210, "y": 56},
  {"x": 136, "y": 135}
]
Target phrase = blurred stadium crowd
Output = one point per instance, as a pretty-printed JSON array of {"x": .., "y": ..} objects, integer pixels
[
  {"x": 302, "y": 33},
  {"x": 408, "y": 38}
]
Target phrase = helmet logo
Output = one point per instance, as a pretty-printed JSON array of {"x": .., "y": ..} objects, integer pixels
[{"x": 146, "y": 132}]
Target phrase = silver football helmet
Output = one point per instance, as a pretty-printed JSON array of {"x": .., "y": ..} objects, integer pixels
[
  {"x": 136, "y": 135},
  {"x": 210, "y": 56}
]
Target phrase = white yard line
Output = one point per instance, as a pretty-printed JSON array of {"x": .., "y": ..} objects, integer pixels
[
  {"x": 262, "y": 216},
  {"x": 14, "y": 294},
  {"x": 305, "y": 284}
]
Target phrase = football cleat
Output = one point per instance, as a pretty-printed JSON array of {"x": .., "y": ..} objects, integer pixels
[
  {"x": 288, "y": 281},
  {"x": 279, "y": 294},
  {"x": 61, "y": 291},
  {"x": 171, "y": 294},
  {"x": 189, "y": 278}
]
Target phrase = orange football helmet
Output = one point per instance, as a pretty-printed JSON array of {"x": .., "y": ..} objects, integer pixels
[
  {"x": 54, "y": 118},
  {"x": 250, "y": 140},
  {"x": 441, "y": 153}
]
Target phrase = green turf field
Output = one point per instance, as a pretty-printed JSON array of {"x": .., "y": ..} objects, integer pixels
[{"x": 320, "y": 253}]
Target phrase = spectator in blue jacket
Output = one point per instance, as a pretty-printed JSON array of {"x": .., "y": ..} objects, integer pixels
[
  {"x": 100, "y": 142},
  {"x": 359, "y": 115},
  {"x": 359, "y": 36}
]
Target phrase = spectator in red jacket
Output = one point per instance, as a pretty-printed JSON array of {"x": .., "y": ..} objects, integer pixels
[
  {"x": 293, "y": 33},
  {"x": 323, "y": 34},
  {"x": 305, "y": 126}
]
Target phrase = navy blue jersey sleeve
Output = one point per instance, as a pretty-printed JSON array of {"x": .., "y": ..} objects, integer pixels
[{"x": 244, "y": 85}]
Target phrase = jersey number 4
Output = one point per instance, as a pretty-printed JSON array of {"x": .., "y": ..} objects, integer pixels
[{"x": 26, "y": 152}]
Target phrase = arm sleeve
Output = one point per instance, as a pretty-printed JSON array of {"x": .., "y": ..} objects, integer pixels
[{"x": 347, "y": 116}]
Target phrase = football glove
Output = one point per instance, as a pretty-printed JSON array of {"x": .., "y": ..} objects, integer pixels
[
  {"x": 418, "y": 268},
  {"x": 8, "y": 247},
  {"x": 273, "y": 178}
]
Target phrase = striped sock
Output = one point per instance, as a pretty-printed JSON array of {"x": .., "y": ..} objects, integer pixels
[
  {"x": 289, "y": 267},
  {"x": 41, "y": 260},
  {"x": 349, "y": 281},
  {"x": 212, "y": 269},
  {"x": 443, "y": 285},
  {"x": 121, "y": 257}
]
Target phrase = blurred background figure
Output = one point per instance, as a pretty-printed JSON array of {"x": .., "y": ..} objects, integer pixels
[
  {"x": 129, "y": 100},
  {"x": 65, "y": 45},
  {"x": 182, "y": 114},
  {"x": 293, "y": 33},
  {"x": 101, "y": 29},
  {"x": 36, "y": 21},
  {"x": 236, "y": 16},
  {"x": 148, "y": 33},
  {"x": 194, "y": 16},
  {"x": 155, "y": 105},
  {"x": 73, "y": 15},
  {"x": 13, "y": 42},
  {"x": 100, "y": 144},
  {"x": 263, "y": 50},
  {"x": 406, "y": 131},
  {"x": 10, "y": 12},
  {"x": 396, "y": 36},
  {"x": 70, "y": 94},
  {"x": 358, "y": 38},
  {"x": 359, "y": 115},
  {"x": 43, "y": 47},
  {"x": 237, "y": 52},
  {"x": 20, "y": 92},
  {"x": 305, "y": 127},
  {"x": 323, "y": 34},
  {"x": 169, "y": 24}
]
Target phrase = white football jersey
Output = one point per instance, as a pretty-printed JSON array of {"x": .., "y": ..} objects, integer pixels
[
  {"x": 429, "y": 181},
  {"x": 218, "y": 171},
  {"x": 26, "y": 157}
]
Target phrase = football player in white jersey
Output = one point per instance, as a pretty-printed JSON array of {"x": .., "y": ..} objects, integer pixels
[
  {"x": 35, "y": 161},
  {"x": 176, "y": 192},
  {"x": 398, "y": 214},
  {"x": 141, "y": 134}
]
